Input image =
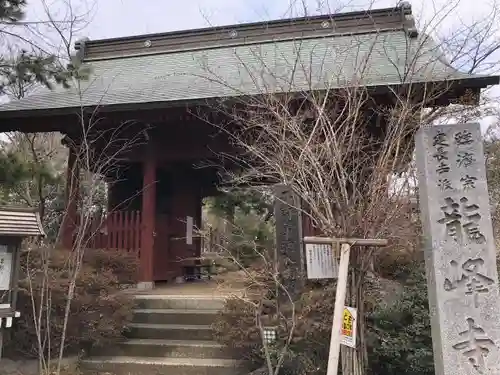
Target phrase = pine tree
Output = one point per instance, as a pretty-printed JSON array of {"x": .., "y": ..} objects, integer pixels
[
  {"x": 25, "y": 67},
  {"x": 20, "y": 71}
]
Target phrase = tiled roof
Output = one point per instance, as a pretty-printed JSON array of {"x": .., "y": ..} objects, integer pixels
[
  {"x": 376, "y": 58},
  {"x": 20, "y": 222}
]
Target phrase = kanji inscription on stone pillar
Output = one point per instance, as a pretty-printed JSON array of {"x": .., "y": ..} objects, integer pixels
[
  {"x": 460, "y": 252},
  {"x": 289, "y": 239}
]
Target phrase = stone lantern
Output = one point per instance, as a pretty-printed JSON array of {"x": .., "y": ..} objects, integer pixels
[{"x": 16, "y": 224}]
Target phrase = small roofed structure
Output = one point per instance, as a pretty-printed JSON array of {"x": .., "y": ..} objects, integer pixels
[
  {"x": 16, "y": 224},
  {"x": 20, "y": 222}
]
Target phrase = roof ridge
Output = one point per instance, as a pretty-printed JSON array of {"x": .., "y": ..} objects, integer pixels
[
  {"x": 399, "y": 17},
  {"x": 133, "y": 54}
]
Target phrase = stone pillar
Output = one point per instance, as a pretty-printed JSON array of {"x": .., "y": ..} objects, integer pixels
[
  {"x": 289, "y": 246},
  {"x": 460, "y": 251},
  {"x": 148, "y": 218},
  {"x": 68, "y": 225}
]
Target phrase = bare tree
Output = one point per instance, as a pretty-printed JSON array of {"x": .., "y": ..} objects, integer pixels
[
  {"x": 257, "y": 288},
  {"x": 100, "y": 154},
  {"x": 345, "y": 148}
]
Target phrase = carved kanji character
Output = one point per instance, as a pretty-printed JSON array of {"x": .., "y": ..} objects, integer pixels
[
  {"x": 452, "y": 217},
  {"x": 442, "y": 168},
  {"x": 440, "y": 139},
  {"x": 444, "y": 184},
  {"x": 469, "y": 277},
  {"x": 465, "y": 159},
  {"x": 475, "y": 345},
  {"x": 441, "y": 154},
  {"x": 468, "y": 182},
  {"x": 463, "y": 138},
  {"x": 462, "y": 218}
]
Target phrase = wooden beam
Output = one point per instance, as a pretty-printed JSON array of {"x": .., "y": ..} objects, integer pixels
[{"x": 350, "y": 241}]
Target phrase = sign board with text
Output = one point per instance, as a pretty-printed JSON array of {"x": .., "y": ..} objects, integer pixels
[
  {"x": 321, "y": 261},
  {"x": 349, "y": 323},
  {"x": 5, "y": 270}
]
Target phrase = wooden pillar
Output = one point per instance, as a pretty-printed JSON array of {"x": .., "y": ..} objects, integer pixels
[
  {"x": 111, "y": 196},
  {"x": 148, "y": 215},
  {"x": 68, "y": 225},
  {"x": 199, "y": 222}
]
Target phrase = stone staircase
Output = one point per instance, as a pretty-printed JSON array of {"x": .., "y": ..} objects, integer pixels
[{"x": 169, "y": 335}]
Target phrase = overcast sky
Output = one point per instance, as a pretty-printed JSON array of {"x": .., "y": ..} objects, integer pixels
[
  {"x": 118, "y": 18},
  {"x": 115, "y": 18}
]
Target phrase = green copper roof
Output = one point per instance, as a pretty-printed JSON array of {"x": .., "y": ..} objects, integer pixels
[{"x": 300, "y": 64}]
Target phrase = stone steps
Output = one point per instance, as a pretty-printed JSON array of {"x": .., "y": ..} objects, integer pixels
[
  {"x": 169, "y": 331},
  {"x": 169, "y": 348},
  {"x": 169, "y": 335},
  {"x": 174, "y": 316},
  {"x": 179, "y": 302},
  {"x": 163, "y": 366}
]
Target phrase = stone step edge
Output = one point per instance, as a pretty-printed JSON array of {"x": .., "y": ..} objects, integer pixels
[
  {"x": 170, "y": 326},
  {"x": 174, "y": 343},
  {"x": 167, "y": 297},
  {"x": 175, "y": 311},
  {"x": 187, "y": 362}
]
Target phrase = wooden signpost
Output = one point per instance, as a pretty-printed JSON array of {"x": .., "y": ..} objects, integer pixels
[{"x": 343, "y": 271}]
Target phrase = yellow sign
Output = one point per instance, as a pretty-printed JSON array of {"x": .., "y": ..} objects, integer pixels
[{"x": 349, "y": 327}]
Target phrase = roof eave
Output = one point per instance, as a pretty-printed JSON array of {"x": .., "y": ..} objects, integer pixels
[{"x": 477, "y": 82}]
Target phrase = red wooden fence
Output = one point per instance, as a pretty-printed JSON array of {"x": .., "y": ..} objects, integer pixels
[{"x": 114, "y": 230}]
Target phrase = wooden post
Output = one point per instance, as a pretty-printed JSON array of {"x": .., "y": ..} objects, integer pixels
[
  {"x": 334, "y": 354},
  {"x": 72, "y": 188},
  {"x": 148, "y": 216}
]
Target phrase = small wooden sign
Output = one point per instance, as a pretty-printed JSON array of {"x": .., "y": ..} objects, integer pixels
[
  {"x": 189, "y": 230},
  {"x": 321, "y": 261}
]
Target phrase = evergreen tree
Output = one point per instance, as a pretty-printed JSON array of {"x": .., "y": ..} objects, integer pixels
[
  {"x": 27, "y": 173},
  {"x": 28, "y": 64}
]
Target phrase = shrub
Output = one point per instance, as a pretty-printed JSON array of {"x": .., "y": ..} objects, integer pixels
[
  {"x": 236, "y": 327},
  {"x": 98, "y": 311},
  {"x": 398, "y": 327},
  {"x": 399, "y": 334}
]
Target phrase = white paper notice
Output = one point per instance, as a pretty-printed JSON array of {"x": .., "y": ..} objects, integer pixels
[
  {"x": 321, "y": 263},
  {"x": 189, "y": 230},
  {"x": 5, "y": 270}
]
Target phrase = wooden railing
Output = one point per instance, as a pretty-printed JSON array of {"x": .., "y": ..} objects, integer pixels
[{"x": 114, "y": 230}]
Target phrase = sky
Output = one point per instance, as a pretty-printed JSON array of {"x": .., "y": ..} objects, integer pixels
[
  {"x": 119, "y": 18},
  {"x": 116, "y": 18}
]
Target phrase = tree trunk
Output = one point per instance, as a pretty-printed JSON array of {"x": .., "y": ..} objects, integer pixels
[{"x": 354, "y": 361}]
